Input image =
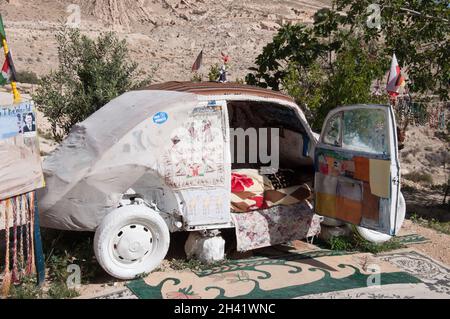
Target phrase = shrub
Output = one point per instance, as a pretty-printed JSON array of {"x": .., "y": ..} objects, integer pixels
[
  {"x": 91, "y": 73},
  {"x": 214, "y": 72},
  {"x": 27, "y": 77},
  {"x": 419, "y": 177}
]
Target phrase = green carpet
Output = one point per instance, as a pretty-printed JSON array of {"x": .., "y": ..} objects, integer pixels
[{"x": 288, "y": 276}]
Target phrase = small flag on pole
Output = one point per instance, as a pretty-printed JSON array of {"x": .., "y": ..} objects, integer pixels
[
  {"x": 198, "y": 62},
  {"x": 395, "y": 78},
  {"x": 8, "y": 71}
]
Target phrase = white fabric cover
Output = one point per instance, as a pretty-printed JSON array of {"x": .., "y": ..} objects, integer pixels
[{"x": 106, "y": 154}]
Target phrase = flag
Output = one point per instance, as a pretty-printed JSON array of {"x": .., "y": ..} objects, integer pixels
[
  {"x": 395, "y": 78},
  {"x": 198, "y": 62},
  {"x": 8, "y": 71},
  {"x": 2, "y": 29}
]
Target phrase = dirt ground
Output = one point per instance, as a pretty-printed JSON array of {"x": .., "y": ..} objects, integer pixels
[{"x": 439, "y": 245}]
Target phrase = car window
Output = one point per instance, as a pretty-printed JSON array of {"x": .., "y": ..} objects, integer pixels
[
  {"x": 365, "y": 130},
  {"x": 332, "y": 134}
]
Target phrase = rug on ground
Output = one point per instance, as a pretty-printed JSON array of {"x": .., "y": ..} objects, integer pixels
[
  {"x": 435, "y": 280},
  {"x": 287, "y": 276}
]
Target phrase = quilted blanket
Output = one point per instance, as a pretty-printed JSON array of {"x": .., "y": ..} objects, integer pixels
[{"x": 252, "y": 191}]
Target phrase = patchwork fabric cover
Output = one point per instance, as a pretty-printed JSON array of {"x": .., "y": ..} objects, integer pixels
[
  {"x": 247, "y": 190},
  {"x": 275, "y": 225},
  {"x": 287, "y": 196},
  {"x": 252, "y": 191}
]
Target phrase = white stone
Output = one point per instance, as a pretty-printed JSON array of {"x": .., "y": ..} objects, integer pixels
[{"x": 204, "y": 248}]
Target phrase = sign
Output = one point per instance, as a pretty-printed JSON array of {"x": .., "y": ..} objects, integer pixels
[
  {"x": 160, "y": 118},
  {"x": 20, "y": 169}
]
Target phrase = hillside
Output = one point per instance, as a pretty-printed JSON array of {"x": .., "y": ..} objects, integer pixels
[{"x": 163, "y": 35}]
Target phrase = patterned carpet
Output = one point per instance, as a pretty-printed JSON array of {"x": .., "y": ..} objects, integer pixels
[
  {"x": 287, "y": 276},
  {"x": 313, "y": 274},
  {"x": 435, "y": 280}
]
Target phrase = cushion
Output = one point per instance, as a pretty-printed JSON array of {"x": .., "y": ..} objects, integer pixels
[
  {"x": 287, "y": 196},
  {"x": 282, "y": 179}
]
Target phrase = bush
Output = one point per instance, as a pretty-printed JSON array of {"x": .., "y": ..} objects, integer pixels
[
  {"x": 418, "y": 177},
  {"x": 197, "y": 77},
  {"x": 27, "y": 77},
  {"x": 356, "y": 243},
  {"x": 91, "y": 73},
  {"x": 214, "y": 72}
]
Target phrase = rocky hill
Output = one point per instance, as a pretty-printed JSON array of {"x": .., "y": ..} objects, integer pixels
[{"x": 163, "y": 35}]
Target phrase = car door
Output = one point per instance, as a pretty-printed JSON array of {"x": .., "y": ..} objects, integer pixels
[{"x": 357, "y": 172}]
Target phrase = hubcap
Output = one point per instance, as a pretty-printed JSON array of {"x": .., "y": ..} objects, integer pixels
[{"x": 132, "y": 243}]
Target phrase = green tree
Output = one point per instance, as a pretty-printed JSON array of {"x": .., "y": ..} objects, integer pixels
[
  {"x": 416, "y": 30},
  {"x": 90, "y": 74},
  {"x": 337, "y": 59}
]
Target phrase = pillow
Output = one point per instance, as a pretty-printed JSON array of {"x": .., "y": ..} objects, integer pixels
[{"x": 287, "y": 196}]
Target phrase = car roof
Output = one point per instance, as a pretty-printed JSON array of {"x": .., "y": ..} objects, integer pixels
[{"x": 215, "y": 88}]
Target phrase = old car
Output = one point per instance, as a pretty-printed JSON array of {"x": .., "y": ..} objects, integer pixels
[{"x": 198, "y": 157}]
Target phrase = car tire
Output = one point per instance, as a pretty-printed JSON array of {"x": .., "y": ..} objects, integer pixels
[
  {"x": 377, "y": 237},
  {"x": 131, "y": 241}
]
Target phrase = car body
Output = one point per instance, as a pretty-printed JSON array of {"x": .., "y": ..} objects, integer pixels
[{"x": 140, "y": 145}]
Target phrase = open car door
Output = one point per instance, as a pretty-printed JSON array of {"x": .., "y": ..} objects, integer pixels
[{"x": 357, "y": 171}]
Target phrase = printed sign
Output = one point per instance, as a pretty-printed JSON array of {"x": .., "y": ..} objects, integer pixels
[
  {"x": 17, "y": 120},
  {"x": 21, "y": 170},
  {"x": 160, "y": 118},
  {"x": 195, "y": 156}
]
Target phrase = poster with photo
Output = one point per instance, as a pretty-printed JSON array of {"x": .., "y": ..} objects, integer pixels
[{"x": 20, "y": 168}]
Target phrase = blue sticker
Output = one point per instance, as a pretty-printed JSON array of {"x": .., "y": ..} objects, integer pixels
[
  {"x": 212, "y": 103},
  {"x": 160, "y": 117}
]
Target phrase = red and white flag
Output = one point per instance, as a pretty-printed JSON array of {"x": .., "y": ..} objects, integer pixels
[
  {"x": 8, "y": 72},
  {"x": 395, "y": 78}
]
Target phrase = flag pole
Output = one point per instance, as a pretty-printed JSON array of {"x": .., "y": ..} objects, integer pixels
[{"x": 16, "y": 93}]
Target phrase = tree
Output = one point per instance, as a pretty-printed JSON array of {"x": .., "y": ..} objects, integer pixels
[
  {"x": 416, "y": 30},
  {"x": 90, "y": 74}
]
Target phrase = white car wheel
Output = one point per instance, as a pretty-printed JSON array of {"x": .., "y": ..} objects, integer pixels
[
  {"x": 377, "y": 237},
  {"x": 130, "y": 241}
]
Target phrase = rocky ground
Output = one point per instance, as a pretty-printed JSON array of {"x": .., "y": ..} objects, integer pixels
[{"x": 425, "y": 163}]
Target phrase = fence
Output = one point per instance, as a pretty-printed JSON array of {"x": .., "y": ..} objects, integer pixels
[{"x": 415, "y": 112}]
